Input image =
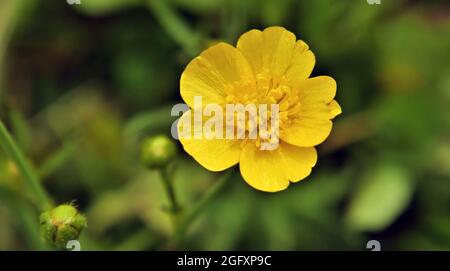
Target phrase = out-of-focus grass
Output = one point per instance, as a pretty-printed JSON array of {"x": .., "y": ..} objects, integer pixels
[{"x": 84, "y": 84}]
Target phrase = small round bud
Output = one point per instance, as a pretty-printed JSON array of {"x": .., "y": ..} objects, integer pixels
[
  {"x": 157, "y": 151},
  {"x": 61, "y": 224}
]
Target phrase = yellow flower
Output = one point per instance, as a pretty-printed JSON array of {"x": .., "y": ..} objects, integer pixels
[{"x": 268, "y": 66}]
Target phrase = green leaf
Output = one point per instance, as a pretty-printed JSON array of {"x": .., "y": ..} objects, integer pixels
[{"x": 380, "y": 199}]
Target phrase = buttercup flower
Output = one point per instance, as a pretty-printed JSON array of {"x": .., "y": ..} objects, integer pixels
[{"x": 266, "y": 67}]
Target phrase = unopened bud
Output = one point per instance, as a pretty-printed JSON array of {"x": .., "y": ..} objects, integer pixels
[
  {"x": 157, "y": 151},
  {"x": 61, "y": 224}
]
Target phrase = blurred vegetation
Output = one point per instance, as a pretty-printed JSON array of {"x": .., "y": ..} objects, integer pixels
[{"x": 82, "y": 85}]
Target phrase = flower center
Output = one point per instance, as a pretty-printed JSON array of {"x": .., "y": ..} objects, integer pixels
[{"x": 263, "y": 126}]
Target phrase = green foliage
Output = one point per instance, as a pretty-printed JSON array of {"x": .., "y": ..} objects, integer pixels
[
  {"x": 81, "y": 86},
  {"x": 105, "y": 7},
  {"x": 382, "y": 197}
]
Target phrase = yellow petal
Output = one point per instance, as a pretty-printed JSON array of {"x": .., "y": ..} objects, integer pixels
[
  {"x": 272, "y": 171},
  {"x": 214, "y": 75},
  {"x": 269, "y": 52},
  {"x": 312, "y": 124},
  {"x": 251, "y": 45},
  {"x": 308, "y": 131},
  {"x": 335, "y": 109},
  {"x": 320, "y": 89},
  {"x": 303, "y": 62},
  {"x": 213, "y": 154}
]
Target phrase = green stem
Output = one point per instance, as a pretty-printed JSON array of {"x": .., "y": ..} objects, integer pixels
[
  {"x": 197, "y": 209},
  {"x": 168, "y": 186},
  {"x": 24, "y": 168},
  {"x": 29, "y": 226},
  {"x": 175, "y": 26},
  {"x": 26, "y": 216}
]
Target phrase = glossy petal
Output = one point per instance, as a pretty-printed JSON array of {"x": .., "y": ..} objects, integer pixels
[
  {"x": 214, "y": 75},
  {"x": 321, "y": 89},
  {"x": 302, "y": 65},
  {"x": 335, "y": 109},
  {"x": 213, "y": 154},
  {"x": 312, "y": 125},
  {"x": 269, "y": 52},
  {"x": 272, "y": 171}
]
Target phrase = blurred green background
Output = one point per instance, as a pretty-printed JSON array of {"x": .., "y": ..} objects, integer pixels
[{"x": 82, "y": 85}]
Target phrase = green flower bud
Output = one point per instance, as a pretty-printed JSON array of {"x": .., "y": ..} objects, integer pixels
[
  {"x": 61, "y": 224},
  {"x": 157, "y": 151}
]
